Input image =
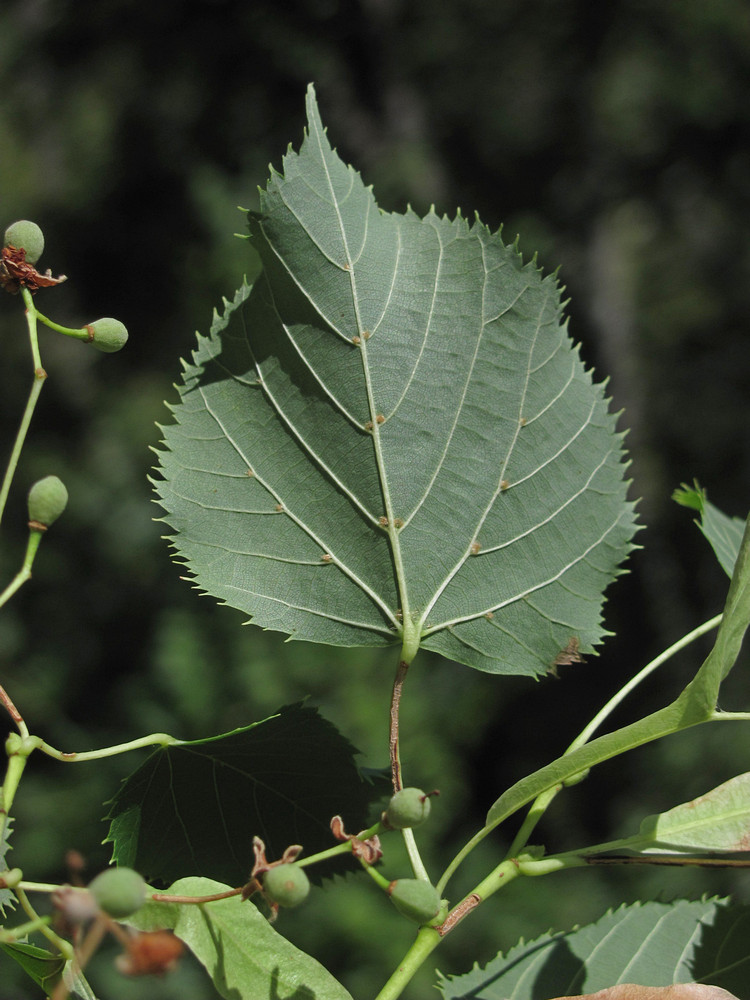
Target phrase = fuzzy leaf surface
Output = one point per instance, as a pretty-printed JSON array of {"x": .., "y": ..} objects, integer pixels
[
  {"x": 194, "y": 807},
  {"x": 650, "y": 944},
  {"x": 392, "y": 438},
  {"x": 246, "y": 958}
]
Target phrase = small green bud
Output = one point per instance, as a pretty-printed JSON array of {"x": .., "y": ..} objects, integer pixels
[
  {"x": 25, "y": 235},
  {"x": 286, "y": 885},
  {"x": 47, "y": 500},
  {"x": 119, "y": 892},
  {"x": 415, "y": 899},
  {"x": 108, "y": 335},
  {"x": 408, "y": 807}
]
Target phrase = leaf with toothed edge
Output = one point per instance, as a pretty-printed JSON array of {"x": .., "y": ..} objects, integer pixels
[{"x": 392, "y": 438}]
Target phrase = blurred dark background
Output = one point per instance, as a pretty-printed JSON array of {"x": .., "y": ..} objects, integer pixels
[{"x": 615, "y": 139}]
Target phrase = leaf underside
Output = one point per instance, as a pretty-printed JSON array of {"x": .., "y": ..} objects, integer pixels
[
  {"x": 392, "y": 438},
  {"x": 246, "y": 958},
  {"x": 650, "y": 944},
  {"x": 195, "y": 807}
]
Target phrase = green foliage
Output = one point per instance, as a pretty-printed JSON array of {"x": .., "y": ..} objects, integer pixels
[
  {"x": 43, "y": 966},
  {"x": 390, "y": 381},
  {"x": 388, "y": 438},
  {"x": 717, "y": 821},
  {"x": 193, "y": 807},
  {"x": 245, "y": 957},
  {"x": 723, "y": 533},
  {"x": 654, "y": 944}
]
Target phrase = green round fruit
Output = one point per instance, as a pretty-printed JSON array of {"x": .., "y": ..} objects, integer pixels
[
  {"x": 119, "y": 892},
  {"x": 25, "y": 235},
  {"x": 286, "y": 885},
  {"x": 415, "y": 899},
  {"x": 108, "y": 335},
  {"x": 47, "y": 500},
  {"x": 408, "y": 807}
]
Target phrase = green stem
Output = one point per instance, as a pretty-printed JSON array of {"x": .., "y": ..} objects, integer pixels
[
  {"x": 155, "y": 739},
  {"x": 542, "y": 802},
  {"x": 426, "y": 942},
  {"x": 35, "y": 537},
  {"x": 8, "y": 936},
  {"x": 429, "y": 938},
  {"x": 624, "y": 691},
  {"x": 63, "y": 946},
  {"x": 36, "y": 387},
  {"x": 81, "y": 333}
]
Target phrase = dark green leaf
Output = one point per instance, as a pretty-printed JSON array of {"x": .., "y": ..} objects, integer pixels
[
  {"x": 44, "y": 967},
  {"x": 392, "y": 438},
  {"x": 194, "y": 807},
  {"x": 246, "y": 958},
  {"x": 651, "y": 944}
]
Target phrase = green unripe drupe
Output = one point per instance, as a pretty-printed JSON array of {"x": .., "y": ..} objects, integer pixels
[
  {"x": 108, "y": 334},
  {"x": 408, "y": 807},
  {"x": 286, "y": 885},
  {"x": 25, "y": 235},
  {"x": 415, "y": 899},
  {"x": 47, "y": 500},
  {"x": 119, "y": 892}
]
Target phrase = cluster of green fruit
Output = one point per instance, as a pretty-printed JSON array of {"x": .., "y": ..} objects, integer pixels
[
  {"x": 119, "y": 892},
  {"x": 287, "y": 885},
  {"x": 106, "y": 334}
]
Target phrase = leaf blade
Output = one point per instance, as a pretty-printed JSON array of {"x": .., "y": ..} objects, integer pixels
[
  {"x": 407, "y": 402},
  {"x": 245, "y": 957}
]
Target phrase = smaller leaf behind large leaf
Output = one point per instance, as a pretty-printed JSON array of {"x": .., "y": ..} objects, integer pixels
[
  {"x": 723, "y": 533},
  {"x": 193, "y": 808}
]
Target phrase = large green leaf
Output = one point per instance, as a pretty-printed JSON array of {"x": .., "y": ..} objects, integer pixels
[
  {"x": 393, "y": 438},
  {"x": 194, "y": 807},
  {"x": 245, "y": 957},
  {"x": 654, "y": 944}
]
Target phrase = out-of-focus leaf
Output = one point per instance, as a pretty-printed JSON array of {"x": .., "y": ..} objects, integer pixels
[
  {"x": 246, "y": 958},
  {"x": 690, "y": 991},
  {"x": 44, "y": 967},
  {"x": 393, "y": 439},
  {"x": 195, "y": 807},
  {"x": 7, "y": 899},
  {"x": 657, "y": 944},
  {"x": 723, "y": 533}
]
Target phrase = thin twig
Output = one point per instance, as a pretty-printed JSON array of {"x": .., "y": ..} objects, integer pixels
[{"x": 398, "y": 684}]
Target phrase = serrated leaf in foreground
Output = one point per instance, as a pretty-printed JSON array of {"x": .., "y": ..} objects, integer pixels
[
  {"x": 194, "y": 807},
  {"x": 651, "y": 944},
  {"x": 245, "y": 957},
  {"x": 392, "y": 437}
]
